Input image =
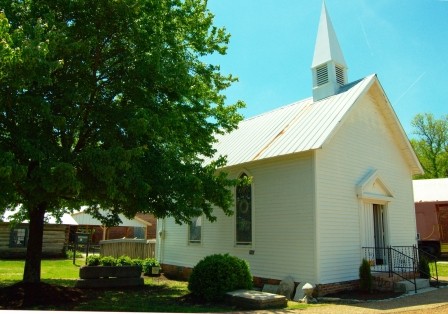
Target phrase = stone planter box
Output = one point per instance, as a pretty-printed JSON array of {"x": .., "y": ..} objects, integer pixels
[{"x": 109, "y": 277}]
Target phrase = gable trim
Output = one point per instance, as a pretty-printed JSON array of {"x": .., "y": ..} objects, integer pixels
[{"x": 372, "y": 188}]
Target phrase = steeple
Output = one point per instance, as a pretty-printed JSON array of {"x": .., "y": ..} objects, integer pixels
[{"x": 328, "y": 67}]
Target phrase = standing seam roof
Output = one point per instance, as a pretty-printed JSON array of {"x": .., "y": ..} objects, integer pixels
[{"x": 298, "y": 127}]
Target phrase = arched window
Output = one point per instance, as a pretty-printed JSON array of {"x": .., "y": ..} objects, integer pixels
[{"x": 244, "y": 212}]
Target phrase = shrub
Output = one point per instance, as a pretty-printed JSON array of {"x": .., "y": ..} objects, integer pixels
[
  {"x": 137, "y": 262},
  {"x": 217, "y": 274},
  {"x": 69, "y": 254},
  {"x": 365, "y": 276},
  {"x": 147, "y": 265},
  {"x": 107, "y": 261},
  {"x": 123, "y": 261},
  {"x": 93, "y": 260},
  {"x": 423, "y": 267}
]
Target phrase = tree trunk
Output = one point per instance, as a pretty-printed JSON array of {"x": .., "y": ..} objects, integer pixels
[{"x": 31, "y": 273}]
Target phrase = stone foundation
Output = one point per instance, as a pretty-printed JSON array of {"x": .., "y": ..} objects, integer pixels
[
  {"x": 324, "y": 289},
  {"x": 176, "y": 272}
]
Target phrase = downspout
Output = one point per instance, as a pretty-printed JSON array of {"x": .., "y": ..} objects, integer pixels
[{"x": 161, "y": 236}]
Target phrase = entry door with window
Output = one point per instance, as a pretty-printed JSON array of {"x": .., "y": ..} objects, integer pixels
[
  {"x": 373, "y": 232},
  {"x": 379, "y": 234}
]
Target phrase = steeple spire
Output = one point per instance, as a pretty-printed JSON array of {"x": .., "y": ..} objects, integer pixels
[{"x": 328, "y": 67}]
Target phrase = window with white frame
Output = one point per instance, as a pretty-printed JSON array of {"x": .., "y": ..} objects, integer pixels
[
  {"x": 244, "y": 212},
  {"x": 195, "y": 230}
]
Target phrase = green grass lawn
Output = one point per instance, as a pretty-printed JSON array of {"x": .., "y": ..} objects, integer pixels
[
  {"x": 442, "y": 269},
  {"x": 157, "y": 295}
]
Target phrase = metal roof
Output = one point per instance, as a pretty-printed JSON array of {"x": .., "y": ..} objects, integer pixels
[
  {"x": 430, "y": 190},
  {"x": 83, "y": 218},
  {"x": 305, "y": 125},
  {"x": 298, "y": 127}
]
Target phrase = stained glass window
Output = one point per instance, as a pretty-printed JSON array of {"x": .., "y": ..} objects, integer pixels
[{"x": 244, "y": 213}]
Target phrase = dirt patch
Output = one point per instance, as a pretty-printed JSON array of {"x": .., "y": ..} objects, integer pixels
[
  {"x": 27, "y": 295},
  {"x": 364, "y": 295}
]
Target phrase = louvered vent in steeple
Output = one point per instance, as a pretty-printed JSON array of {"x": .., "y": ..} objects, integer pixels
[
  {"x": 322, "y": 75},
  {"x": 340, "y": 77}
]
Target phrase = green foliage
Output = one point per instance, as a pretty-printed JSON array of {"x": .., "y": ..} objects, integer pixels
[
  {"x": 137, "y": 262},
  {"x": 431, "y": 146},
  {"x": 423, "y": 267},
  {"x": 69, "y": 254},
  {"x": 365, "y": 276},
  {"x": 147, "y": 265},
  {"x": 93, "y": 260},
  {"x": 108, "y": 261},
  {"x": 97, "y": 260},
  {"x": 123, "y": 261},
  {"x": 217, "y": 274},
  {"x": 111, "y": 104}
]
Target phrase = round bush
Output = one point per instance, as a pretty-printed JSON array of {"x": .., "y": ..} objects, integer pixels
[{"x": 217, "y": 274}]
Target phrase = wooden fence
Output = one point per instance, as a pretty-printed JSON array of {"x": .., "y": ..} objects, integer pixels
[{"x": 134, "y": 248}]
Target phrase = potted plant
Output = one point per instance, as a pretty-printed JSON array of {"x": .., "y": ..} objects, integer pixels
[{"x": 151, "y": 267}]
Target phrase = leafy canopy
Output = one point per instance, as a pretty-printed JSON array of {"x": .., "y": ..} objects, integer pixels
[
  {"x": 109, "y": 104},
  {"x": 431, "y": 145}
]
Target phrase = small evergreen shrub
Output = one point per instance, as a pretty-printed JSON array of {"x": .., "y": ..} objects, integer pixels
[
  {"x": 365, "y": 276},
  {"x": 217, "y": 274},
  {"x": 123, "y": 261},
  {"x": 93, "y": 260},
  {"x": 108, "y": 261},
  {"x": 423, "y": 267}
]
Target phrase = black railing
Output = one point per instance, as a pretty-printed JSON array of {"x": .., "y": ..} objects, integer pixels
[{"x": 404, "y": 262}]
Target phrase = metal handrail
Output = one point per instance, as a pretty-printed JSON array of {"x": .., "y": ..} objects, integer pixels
[
  {"x": 406, "y": 258},
  {"x": 394, "y": 260}
]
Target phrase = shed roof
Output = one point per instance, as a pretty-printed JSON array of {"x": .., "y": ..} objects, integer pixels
[
  {"x": 305, "y": 125},
  {"x": 430, "y": 190},
  {"x": 83, "y": 218}
]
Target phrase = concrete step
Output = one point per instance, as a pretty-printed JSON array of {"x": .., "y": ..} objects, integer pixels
[{"x": 405, "y": 286}]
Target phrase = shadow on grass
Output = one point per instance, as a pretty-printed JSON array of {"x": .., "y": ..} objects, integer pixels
[{"x": 60, "y": 294}]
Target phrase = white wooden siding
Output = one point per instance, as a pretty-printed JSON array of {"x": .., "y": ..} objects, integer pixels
[
  {"x": 283, "y": 223},
  {"x": 364, "y": 143}
]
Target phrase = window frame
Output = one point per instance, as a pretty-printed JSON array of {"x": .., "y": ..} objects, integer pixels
[
  {"x": 14, "y": 244},
  {"x": 239, "y": 203},
  {"x": 194, "y": 241}
]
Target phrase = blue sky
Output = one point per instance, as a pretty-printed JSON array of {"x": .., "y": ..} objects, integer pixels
[{"x": 405, "y": 42}]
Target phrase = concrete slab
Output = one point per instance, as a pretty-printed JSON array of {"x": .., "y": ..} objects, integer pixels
[{"x": 256, "y": 300}]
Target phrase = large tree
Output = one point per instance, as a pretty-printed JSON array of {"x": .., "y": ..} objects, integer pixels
[
  {"x": 431, "y": 144},
  {"x": 109, "y": 104}
]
